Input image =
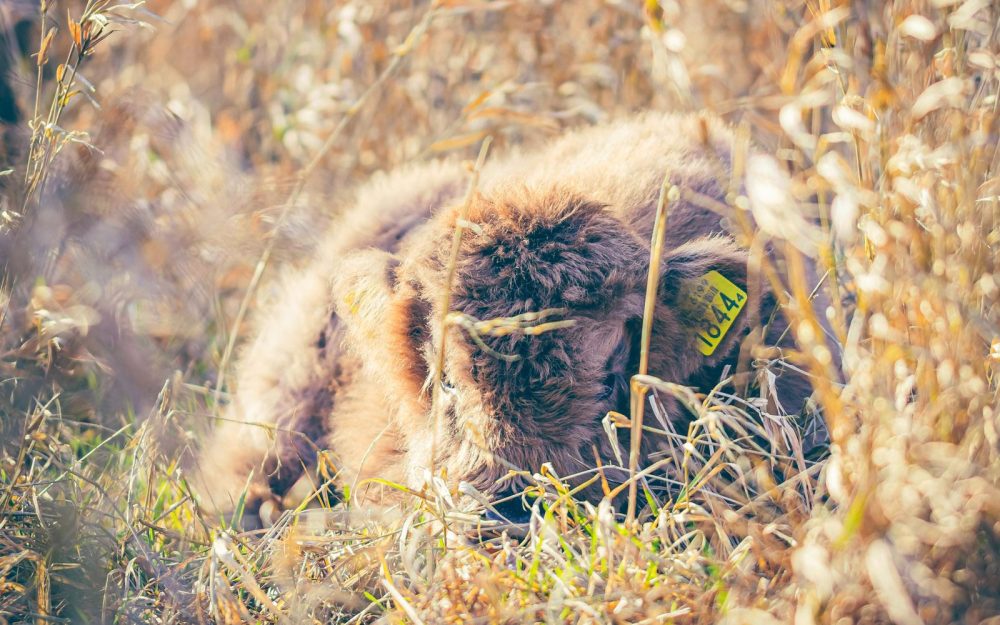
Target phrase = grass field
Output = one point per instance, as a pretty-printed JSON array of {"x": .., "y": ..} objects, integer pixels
[{"x": 168, "y": 159}]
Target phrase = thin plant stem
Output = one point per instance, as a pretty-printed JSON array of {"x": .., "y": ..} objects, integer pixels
[{"x": 668, "y": 193}]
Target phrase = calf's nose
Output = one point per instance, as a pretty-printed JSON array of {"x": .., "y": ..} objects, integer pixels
[{"x": 509, "y": 507}]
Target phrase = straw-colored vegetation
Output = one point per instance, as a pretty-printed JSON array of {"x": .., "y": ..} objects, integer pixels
[{"x": 159, "y": 177}]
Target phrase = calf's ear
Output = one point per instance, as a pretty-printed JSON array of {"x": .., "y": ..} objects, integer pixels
[
  {"x": 383, "y": 318},
  {"x": 699, "y": 257},
  {"x": 363, "y": 287},
  {"x": 703, "y": 308},
  {"x": 706, "y": 282}
]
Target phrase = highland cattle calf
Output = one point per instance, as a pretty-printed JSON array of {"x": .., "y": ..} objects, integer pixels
[{"x": 345, "y": 359}]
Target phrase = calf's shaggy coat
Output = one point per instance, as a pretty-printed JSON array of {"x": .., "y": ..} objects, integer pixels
[{"x": 344, "y": 359}]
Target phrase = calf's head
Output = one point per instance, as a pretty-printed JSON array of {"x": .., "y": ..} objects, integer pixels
[{"x": 518, "y": 400}]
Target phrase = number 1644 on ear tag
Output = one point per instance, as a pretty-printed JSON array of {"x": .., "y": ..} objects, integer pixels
[{"x": 713, "y": 302}]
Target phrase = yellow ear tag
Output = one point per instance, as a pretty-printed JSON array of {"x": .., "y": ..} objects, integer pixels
[{"x": 712, "y": 302}]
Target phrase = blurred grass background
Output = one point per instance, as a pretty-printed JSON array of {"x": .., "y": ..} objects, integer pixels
[{"x": 144, "y": 180}]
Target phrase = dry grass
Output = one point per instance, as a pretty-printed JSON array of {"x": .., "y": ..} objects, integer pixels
[{"x": 228, "y": 132}]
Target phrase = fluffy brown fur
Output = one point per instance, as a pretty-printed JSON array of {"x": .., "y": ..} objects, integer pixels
[{"x": 344, "y": 359}]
